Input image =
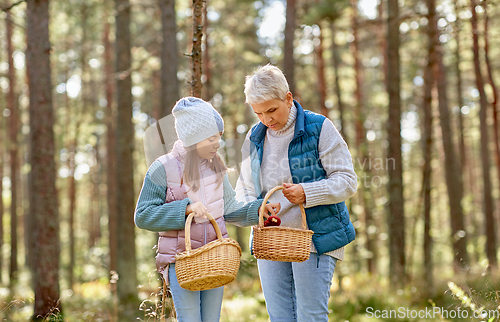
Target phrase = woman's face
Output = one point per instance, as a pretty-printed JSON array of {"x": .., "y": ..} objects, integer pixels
[
  {"x": 207, "y": 148},
  {"x": 274, "y": 113}
]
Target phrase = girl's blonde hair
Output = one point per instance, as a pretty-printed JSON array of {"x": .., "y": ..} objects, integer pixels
[
  {"x": 191, "y": 173},
  {"x": 265, "y": 84}
]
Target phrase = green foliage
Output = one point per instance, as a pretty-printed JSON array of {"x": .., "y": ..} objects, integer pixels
[
  {"x": 352, "y": 298},
  {"x": 50, "y": 318},
  {"x": 324, "y": 10},
  {"x": 358, "y": 301}
]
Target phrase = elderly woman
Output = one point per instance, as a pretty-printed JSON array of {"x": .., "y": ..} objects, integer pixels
[{"x": 304, "y": 152}]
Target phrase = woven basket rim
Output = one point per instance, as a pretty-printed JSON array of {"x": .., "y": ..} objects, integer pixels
[
  {"x": 282, "y": 228},
  {"x": 207, "y": 247}
]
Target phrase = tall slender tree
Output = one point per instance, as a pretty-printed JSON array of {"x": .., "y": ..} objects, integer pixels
[
  {"x": 12, "y": 143},
  {"x": 2, "y": 157},
  {"x": 72, "y": 129},
  {"x": 196, "y": 54},
  {"x": 453, "y": 175},
  {"x": 72, "y": 206},
  {"x": 72, "y": 184},
  {"x": 382, "y": 40},
  {"x": 427, "y": 143},
  {"x": 317, "y": 13},
  {"x": 494, "y": 88},
  {"x": 361, "y": 144},
  {"x": 320, "y": 69},
  {"x": 94, "y": 225},
  {"x": 358, "y": 92},
  {"x": 336, "y": 67},
  {"x": 111, "y": 192},
  {"x": 28, "y": 218},
  {"x": 489, "y": 221},
  {"x": 43, "y": 194},
  {"x": 126, "y": 260},
  {"x": 460, "y": 98},
  {"x": 395, "y": 169},
  {"x": 169, "y": 82},
  {"x": 466, "y": 158},
  {"x": 288, "y": 60},
  {"x": 207, "y": 87}
]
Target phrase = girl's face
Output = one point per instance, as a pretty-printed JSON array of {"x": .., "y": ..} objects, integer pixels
[
  {"x": 274, "y": 113},
  {"x": 207, "y": 148}
]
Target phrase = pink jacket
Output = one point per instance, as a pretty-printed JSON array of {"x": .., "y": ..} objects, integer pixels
[{"x": 209, "y": 193}]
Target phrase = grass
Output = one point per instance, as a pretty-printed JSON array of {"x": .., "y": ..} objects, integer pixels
[{"x": 354, "y": 299}]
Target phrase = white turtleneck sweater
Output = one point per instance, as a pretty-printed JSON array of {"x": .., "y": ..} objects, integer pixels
[{"x": 340, "y": 185}]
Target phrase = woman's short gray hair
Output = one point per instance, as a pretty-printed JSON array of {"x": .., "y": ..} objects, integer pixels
[{"x": 266, "y": 83}]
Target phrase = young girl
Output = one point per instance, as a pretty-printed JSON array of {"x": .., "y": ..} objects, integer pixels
[{"x": 191, "y": 178}]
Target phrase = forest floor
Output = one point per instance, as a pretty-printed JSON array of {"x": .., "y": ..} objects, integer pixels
[{"x": 357, "y": 298}]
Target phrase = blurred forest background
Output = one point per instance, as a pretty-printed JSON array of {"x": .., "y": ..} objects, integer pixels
[{"x": 412, "y": 85}]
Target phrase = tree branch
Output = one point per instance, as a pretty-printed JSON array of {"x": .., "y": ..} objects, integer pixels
[{"x": 13, "y": 5}]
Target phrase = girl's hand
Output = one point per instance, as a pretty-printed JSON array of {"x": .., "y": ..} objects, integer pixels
[
  {"x": 273, "y": 208},
  {"x": 294, "y": 193},
  {"x": 198, "y": 208}
]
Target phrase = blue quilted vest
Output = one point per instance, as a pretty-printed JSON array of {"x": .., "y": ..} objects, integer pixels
[{"x": 330, "y": 223}]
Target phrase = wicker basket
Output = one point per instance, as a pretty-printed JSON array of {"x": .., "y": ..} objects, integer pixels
[
  {"x": 212, "y": 265},
  {"x": 279, "y": 243}
]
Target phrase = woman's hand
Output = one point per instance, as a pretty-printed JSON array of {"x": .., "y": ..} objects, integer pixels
[
  {"x": 272, "y": 208},
  {"x": 294, "y": 193},
  {"x": 198, "y": 208}
]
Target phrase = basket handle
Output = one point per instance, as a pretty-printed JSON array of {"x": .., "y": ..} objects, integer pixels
[
  {"x": 188, "y": 228},
  {"x": 262, "y": 209}
]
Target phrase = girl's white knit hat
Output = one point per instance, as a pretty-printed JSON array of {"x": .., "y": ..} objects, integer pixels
[{"x": 196, "y": 120}]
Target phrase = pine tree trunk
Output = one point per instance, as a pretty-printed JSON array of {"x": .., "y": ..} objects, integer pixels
[
  {"x": 126, "y": 261},
  {"x": 71, "y": 146},
  {"x": 361, "y": 145},
  {"x": 2, "y": 158},
  {"x": 111, "y": 193},
  {"x": 196, "y": 54},
  {"x": 453, "y": 174},
  {"x": 207, "y": 88},
  {"x": 358, "y": 92},
  {"x": 485, "y": 154},
  {"x": 427, "y": 142},
  {"x": 336, "y": 66},
  {"x": 29, "y": 218},
  {"x": 382, "y": 40},
  {"x": 494, "y": 104},
  {"x": 85, "y": 91},
  {"x": 460, "y": 99},
  {"x": 72, "y": 246},
  {"x": 72, "y": 204},
  {"x": 12, "y": 144},
  {"x": 289, "y": 62},
  {"x": 86, "y": 94},
  {"x": 169, "y": 82},
  {"x": 476, "y": 202},
  {"x": 96, "y": 195},
  {"x": 468, "y": 185},
  {"x": 320, "y": 67},
  {"x": 395, "y": 168},
  {"x": 43, "y": 201}
]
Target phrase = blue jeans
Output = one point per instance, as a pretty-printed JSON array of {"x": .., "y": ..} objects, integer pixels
[
  {"x": 195, "y": 306},
  {"x": 297, "y": 291}
]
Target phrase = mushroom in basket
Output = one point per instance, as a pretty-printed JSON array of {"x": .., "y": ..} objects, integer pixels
[{"x": 272, "y": 221}]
